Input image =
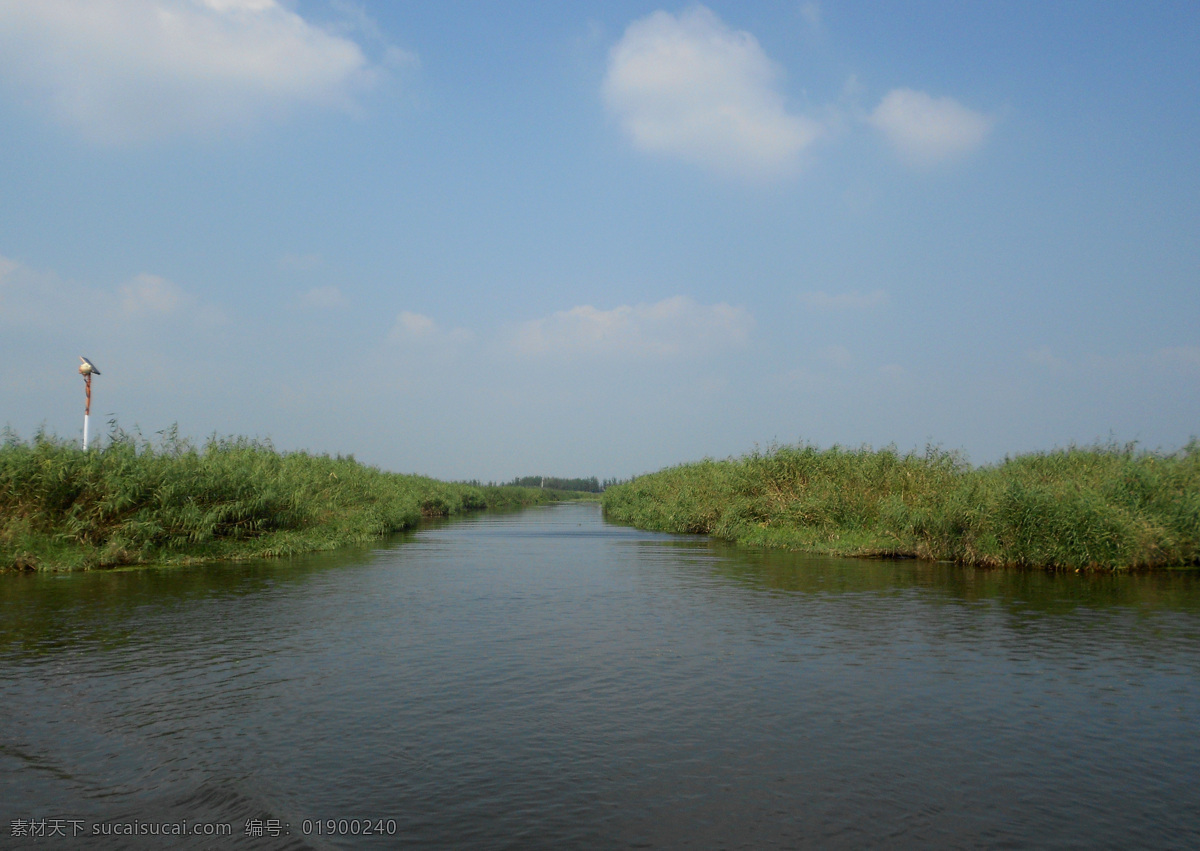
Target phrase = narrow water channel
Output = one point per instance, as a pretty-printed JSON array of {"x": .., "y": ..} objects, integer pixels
[{"x": 543, "y": 679}]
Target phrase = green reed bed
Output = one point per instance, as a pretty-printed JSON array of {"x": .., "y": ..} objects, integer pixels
[
  {"x": 133, "y": 503},
  {"x": 1096, "y": 508}
]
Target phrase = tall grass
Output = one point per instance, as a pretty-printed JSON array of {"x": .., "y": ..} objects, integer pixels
[
  {"x": 1104, "y": 507},
  {"x": 132, "y": 502}
]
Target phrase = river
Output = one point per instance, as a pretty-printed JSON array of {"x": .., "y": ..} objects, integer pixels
[{"x": 543, "y": 679}]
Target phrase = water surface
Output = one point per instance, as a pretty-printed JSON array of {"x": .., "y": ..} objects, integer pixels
[{"x": 542, "y": 679}]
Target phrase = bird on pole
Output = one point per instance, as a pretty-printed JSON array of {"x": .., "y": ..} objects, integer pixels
[{"x": 87, "y": 369}]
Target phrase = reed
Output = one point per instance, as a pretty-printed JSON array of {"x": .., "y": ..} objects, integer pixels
[
  {"x": 135, "y": 503},
  {"x": 1084, "y": 508}
]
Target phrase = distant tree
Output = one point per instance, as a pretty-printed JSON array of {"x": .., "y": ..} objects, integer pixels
[{"x": 588, "y": 485}]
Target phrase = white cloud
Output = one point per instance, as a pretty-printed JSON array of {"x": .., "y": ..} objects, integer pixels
[
  {"x": 35, "y": 299},
  {"x": 925, "y": 130},
  {"x": 136, "y": 70},
  {"x": 691, "y": 87},
  {"x": 413, "y": 326},
  {"x": 355, "y": 20},
  {"x": 15, "y": 291},
  {"x": 322, "y": 298},
  {"x": 417, "y": 328},
  {"x": 149, "y": 294},
  {"x": 40, "y": 300},
  {"x": 844, "y": 301},
  {"x": 669, "y": 327}
]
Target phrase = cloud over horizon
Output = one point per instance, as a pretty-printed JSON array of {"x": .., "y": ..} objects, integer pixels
[
  {"x": 152, "y": 294},
  {"x": 689, "y": 86},
  {"x": 139, "y": 70},
  {"x": 669, "y": 327},
  {"x": 37, "y": 299},
  {"x": 412, "y": 328}
]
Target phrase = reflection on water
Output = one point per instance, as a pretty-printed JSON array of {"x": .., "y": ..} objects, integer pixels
[
  {"x": 543, "y": 679},
  {"x": 47, "y": 612}
]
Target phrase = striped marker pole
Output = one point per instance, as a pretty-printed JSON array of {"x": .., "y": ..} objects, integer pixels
[{"x": 87, "y": 369}]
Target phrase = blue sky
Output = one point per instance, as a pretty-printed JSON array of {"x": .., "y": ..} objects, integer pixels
[{"x": 481, "y": 240}]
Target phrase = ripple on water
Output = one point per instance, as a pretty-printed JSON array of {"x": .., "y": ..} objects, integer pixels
[{"x": 542, "y": 679}]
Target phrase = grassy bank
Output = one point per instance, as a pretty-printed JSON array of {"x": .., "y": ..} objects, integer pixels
[
  {"x": 1106, "y": 508},
  {"x": 133, "y": 503}
]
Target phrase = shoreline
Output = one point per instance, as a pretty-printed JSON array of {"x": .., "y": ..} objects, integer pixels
[
  {"x": 64, "y": 509},
  {"x": 1105, "y": 508}
]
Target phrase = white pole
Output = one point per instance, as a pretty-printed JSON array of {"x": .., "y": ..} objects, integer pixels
[{"x": 87, "y": 369}]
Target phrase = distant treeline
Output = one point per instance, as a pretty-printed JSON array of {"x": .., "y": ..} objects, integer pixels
[{"x": 588, "y": 485}]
